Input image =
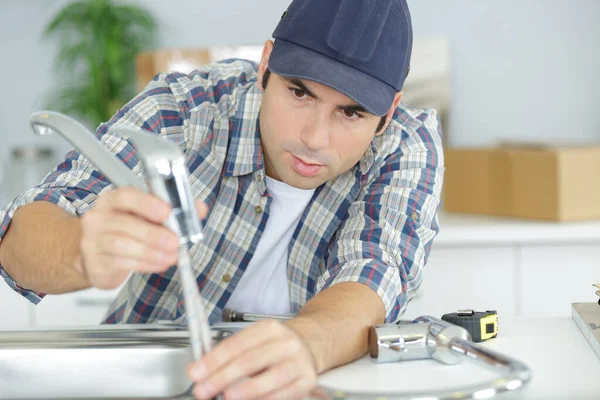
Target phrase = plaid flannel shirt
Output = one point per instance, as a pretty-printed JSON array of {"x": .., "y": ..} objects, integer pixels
[{"x": 374, "y": 224}]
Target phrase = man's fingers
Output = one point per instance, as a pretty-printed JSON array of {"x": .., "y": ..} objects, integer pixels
[
  {"x": 153, "y": 235},
  {"x": 202, "y": 209},
  {"x": 319, "y": 394},
  {"x": 267, "y": 382},
  {"x": 125, "y": 232},
  {"x": 298, "y": 389},
  {"x": 120, "y": 246},
  {"x": 250, "y": 363},
  {"x": 233, "y": 347},
  {"x": 104, "y": 281},
  {"x": 120, "y": 267},
  {"x": 136, "y": 202},
  {"x": 127, "y": 264},
  {"x": 145, "y": 205}
]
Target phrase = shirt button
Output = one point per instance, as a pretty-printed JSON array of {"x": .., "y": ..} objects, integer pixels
[
  {"x": 258, "y": 209},
  {"x": 414, "y": 216},
  {"x": 226, "y": 278},
  {"x": 259, "y": 178}
]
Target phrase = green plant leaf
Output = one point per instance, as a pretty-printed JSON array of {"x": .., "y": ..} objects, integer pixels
[
  {"x": 98, "y": 42},
  {"x": 73, "y": 16},
  {"x": 69, "y": 56}
]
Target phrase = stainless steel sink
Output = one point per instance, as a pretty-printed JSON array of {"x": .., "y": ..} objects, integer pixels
[{"x": 107, "y": 361}]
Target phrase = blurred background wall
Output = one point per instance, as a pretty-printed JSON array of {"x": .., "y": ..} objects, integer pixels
[{"x": 520, "y": 69}]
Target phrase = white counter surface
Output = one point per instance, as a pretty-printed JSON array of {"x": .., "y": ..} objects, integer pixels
[
  {"x": 563, "y": 364},
  {"x": 459, "y": 229}
]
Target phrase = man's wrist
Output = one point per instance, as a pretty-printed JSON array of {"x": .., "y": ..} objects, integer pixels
[
  {"x": 79, "y": 266},
  {"x": 78, "y": 263},
  {"x": 313, "y": 336}
]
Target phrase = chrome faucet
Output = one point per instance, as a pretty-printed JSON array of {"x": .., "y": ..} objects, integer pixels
[
  {"x": 430, "y": 337},
  {"x": 167, "y": 177}
]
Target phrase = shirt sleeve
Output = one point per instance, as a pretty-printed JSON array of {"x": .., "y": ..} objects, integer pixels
[
  {"x": 389, "y": 230},
  {"x": 75, "y": 184}
]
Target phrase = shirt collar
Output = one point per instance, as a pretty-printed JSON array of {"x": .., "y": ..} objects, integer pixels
[{"x": 244, "y": 153}]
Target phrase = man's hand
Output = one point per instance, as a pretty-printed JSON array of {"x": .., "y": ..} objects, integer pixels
[
  {"x": 124, "y": 232},
  {"x": 267, "y": 360}
]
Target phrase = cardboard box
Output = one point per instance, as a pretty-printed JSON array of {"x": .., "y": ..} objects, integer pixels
[
  {"x": 537, "y": 182},
  {"x": 151, "y": 63}
]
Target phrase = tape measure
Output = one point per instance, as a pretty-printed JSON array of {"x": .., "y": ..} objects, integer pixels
[{"x": 482, "y": 325}]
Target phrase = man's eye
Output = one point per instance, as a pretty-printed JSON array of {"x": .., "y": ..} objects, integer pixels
[
  {"x": 299, "y": 93},
  {"x": 351, "y": 114}
]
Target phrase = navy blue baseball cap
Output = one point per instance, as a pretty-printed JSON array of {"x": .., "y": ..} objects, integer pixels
[{"x": 361, "y": 48}]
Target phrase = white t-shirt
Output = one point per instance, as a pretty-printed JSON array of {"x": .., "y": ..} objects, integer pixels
[{"x": 263, "y": 289}]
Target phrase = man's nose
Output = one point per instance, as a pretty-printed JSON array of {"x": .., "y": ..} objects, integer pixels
[{"x": 315, "y": 134}]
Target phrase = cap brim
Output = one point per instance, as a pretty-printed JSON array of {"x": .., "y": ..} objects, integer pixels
[{"x": 294, "y": 61}]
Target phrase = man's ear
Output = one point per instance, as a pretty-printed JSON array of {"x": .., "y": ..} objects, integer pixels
[
  {"x": 391, "y": 112},
  {"x": 264, "y": 62}
]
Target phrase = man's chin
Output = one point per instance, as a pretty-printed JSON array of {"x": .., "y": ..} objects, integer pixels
[
  {"x": 307, "y": 186},
  {"x": 302, "y": 182}
]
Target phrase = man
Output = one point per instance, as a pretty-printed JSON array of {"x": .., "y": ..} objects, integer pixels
[{"x": 318, "y": 189}]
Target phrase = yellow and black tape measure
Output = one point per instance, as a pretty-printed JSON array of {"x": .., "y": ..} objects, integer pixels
[{"x": 482, "y": 325}]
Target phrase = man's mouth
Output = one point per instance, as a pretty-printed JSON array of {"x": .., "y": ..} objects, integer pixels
[{"x": 305, "y": 168}]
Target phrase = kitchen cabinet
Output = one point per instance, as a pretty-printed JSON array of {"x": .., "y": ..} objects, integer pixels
[
  {"x": 520, "y": 268},
  {"x": 482, "y": 278},
  {"x": 555, "y": 276}
]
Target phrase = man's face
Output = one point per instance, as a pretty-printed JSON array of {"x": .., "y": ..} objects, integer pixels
[{"x": 311, "y": 133}]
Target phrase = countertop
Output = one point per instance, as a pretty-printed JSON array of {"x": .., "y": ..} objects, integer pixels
[
  {"x": 563, "y": 365},
  {"x": 465, "y": 230}
]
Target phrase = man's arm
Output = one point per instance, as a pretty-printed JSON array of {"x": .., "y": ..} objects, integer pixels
[
  {"x": 50, "y": 251},
  {"x": 335, "y": 323},
  {"x": 284, "y": 359},
  {"x": 41, "y": 249}
]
